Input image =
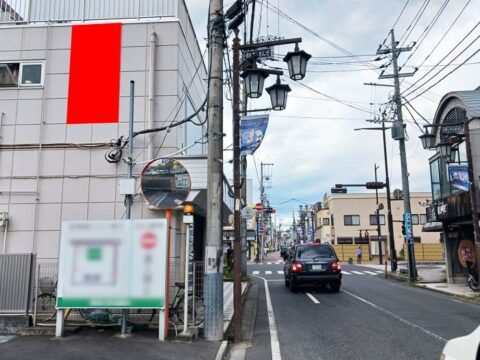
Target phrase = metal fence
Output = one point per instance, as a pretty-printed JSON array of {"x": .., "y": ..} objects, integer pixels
[
  {"x": 45, "y": 295},
  {"x": 26, "y": 11},
  {"x": 16, "y": 281}
]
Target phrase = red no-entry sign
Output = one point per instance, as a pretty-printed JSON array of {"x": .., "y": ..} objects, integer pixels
[{"x": 259, "y": 207}]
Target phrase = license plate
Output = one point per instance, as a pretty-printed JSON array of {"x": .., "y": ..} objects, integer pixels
[{"x": 317, "y": 267}]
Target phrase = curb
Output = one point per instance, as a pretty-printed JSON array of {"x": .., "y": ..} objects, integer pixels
[{"x": 221, "y": 350}]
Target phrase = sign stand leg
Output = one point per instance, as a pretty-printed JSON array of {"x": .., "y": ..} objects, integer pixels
[
  {"x": 59, "y": 324},
  {"x": 161, "y": 325}
]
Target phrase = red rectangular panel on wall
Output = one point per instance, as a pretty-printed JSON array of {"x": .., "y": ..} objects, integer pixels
[{"x": 94, "y": 82}]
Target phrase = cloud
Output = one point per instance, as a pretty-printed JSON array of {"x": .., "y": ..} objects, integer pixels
[{"x": 312, "y": 142}]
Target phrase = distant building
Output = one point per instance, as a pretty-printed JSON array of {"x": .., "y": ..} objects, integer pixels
[{"x": 345, "y": 218}]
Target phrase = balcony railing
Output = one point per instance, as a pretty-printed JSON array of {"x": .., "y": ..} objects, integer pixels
[{"x": 32, "y": 11}]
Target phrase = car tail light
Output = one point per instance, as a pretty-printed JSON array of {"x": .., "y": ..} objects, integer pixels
[
  {"x": 297, "y": 266},
  {"x": 336, "y": 265}
]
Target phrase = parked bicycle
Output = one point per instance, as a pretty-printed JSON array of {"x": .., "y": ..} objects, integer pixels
[{"x": 472, "y": 278}]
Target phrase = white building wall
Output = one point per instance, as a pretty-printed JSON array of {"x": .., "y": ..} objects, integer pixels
[{"x": 39, "y": 188}]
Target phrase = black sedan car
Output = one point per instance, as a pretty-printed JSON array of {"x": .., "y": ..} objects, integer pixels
[{"x": 312, "y": 264}]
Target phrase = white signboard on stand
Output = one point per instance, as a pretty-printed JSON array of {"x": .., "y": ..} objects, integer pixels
[{"x": 113, "y": 264}]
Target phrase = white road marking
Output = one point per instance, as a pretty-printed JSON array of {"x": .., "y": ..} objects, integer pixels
[
  {"x": 370, "y": 272},
  {"x": 398, "y": 317},
  {"x": 268, "y": 272},
  {"x": 255, "y": 272},
  {"x": 269, "y": 263},
  {"x": 357, "y": 272},
  {"x": 346, "y": 272},
  {"x": 380, "y": 272},
  {"x": 313, "y": 298},
  {"x": 5, "y": 338},
  {"x": 280, "y": 272},
  {"x": 275, "y": 345}
]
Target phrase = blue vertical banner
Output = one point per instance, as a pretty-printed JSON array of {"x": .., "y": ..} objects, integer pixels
[
  {"x": 407, "y": 222},
  {"x": 252, "y": 132}
]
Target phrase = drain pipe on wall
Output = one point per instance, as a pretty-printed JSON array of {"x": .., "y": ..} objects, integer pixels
[{"x": 151, "y": 89}]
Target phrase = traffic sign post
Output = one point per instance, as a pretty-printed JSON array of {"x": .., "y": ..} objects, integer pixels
[{"x": 259, "y": 207}]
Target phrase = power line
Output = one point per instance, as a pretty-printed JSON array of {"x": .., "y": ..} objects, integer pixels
[
  {"x": 448, "y": 53},
  {"x": 414, "y": 22},
  {"x": 441, "y": 70},
  {"x": 398, "y": 18},
  {"x": 435, "y": 47},
  {"x": 446, "y": 75},
  {"x": 331, "y": 43},
  {"x": 427, "y": 30}
]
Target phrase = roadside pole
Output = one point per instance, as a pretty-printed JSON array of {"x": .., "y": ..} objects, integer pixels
[
  {"x": 213, "y": 284},
  {"x": 379, "y": 228}
]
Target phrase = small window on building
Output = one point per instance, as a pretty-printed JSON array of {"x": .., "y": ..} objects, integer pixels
[
  {"x": 351, "y": 220},
  {"x": 331, "y": 220},
  {"x": 9, "y": 75},
  {"x": 423, "y": 219},
  {"x": 417, "y": 239},
  {"x": 30, "y": 74},
  {"x": 373, "y": 219},
  {"x": 344, "y": 240},
  {"x": 326, "y": 221},
  {"x": 21, "y": 74},
  {"x": 415, "y": 220}
]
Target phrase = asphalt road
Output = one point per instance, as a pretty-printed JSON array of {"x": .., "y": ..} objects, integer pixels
[{"x": 370, "y": 318}]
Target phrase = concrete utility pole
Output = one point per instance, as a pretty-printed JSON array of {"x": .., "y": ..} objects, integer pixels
[
  {"x": 237, "y": 256},
  {"x": 398, "y": 133},
  {"x": 213, "y": 285}
]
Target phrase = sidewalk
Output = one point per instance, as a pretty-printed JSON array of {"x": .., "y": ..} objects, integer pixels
[
  {"x": 432, "y": 277},
  {"x": 104, "y": 343}
]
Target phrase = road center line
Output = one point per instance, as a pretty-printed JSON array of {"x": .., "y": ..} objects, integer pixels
[
  {"x": 275, "y": 345},
  {"x": 313, "y": 298},
  {"x": 438, "y": 337}
]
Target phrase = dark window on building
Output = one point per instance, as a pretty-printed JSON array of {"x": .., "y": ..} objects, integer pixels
[
  {"x": 373, "y": 219},
  {"x": 351, "y": 220},
  {"x": 423, "y": 219},
  {"x": 326, "y": 221},
  {"x": 331, "y": 220},
  {"x": 415, "y": 220},
  {"x": 362, "y": 240},
  {"x": 417, "y": 239},
  {"x": 21, "y": 74},
  {"x": 344, "y": 240}
]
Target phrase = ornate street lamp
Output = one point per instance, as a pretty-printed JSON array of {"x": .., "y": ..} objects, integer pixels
[
  {"x": 297, "y": 63},
  {"x": 428, "y": 140},
  {"x": 278, "y": 94},
  {"x": 445, "y": 149},
  {"x": 254, "y": 80}
]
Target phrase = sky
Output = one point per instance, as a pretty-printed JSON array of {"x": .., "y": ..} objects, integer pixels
[{"x": 312, "y": 144}]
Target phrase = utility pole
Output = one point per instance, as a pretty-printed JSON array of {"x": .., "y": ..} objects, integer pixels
[
  {"x": 398, "y": 133},
  {"x": 262, "y": 194},
  {"x": 213, "y": 284},
  {"x": 237, "y": 248},
  {"x": 379, "y": 228}
]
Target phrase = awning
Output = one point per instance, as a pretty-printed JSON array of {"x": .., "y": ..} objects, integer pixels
[
  {"x": 199, "y": 199},
  {"x": 433, "y": 227}
]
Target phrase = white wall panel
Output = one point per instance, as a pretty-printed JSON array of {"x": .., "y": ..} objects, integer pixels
[
  {"x": 48, "y": 216},
  {"x": 55, "y": 111},
  {"x": 47, "y": 244},
  {"x": 25, "y": 163},
  {"x": 20, "y": 217},
  {"x": 27, "y": 134},
  {"x": 100, "y": 211},
  {"x": 50, "y": 190},
  {"x": 77, "y": 162},
  {"x": 52, "y": 162},
  {"x": 29, "y": 111},
  {"x": 19, "y": 241},
  {"x": 74, "y": 211},
  {"x": 102, "y": 190},
  {"x": 75, "y": 190}
]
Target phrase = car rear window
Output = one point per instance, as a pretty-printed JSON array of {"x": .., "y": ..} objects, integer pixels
[{"x": 312, "y": 251}]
